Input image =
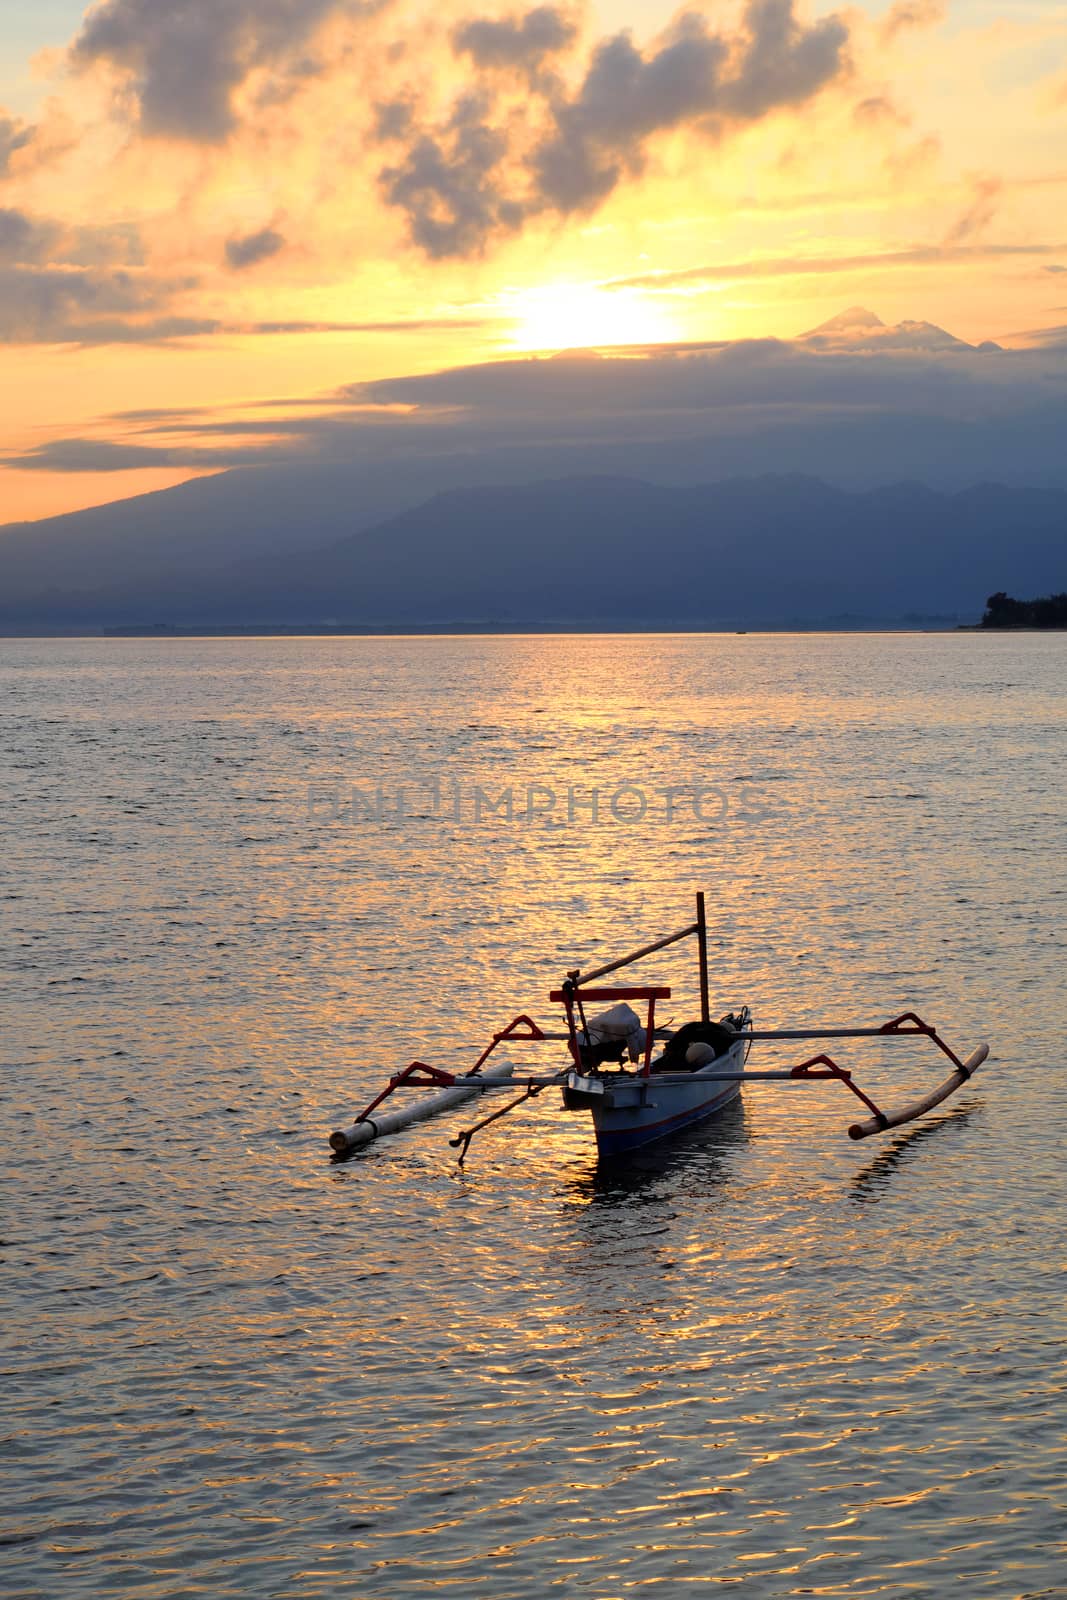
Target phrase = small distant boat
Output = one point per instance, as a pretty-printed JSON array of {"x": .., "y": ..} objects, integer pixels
[{"x": 638, "y": 1082}]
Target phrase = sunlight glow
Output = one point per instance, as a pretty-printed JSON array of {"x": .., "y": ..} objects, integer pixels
[{"x": 567, "y": 316}]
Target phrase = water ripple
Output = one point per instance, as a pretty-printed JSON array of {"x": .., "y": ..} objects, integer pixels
[{"x": 760, "y": 1358}]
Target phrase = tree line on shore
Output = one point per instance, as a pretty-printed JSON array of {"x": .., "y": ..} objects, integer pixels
[{"x": 1050, "y": 611}]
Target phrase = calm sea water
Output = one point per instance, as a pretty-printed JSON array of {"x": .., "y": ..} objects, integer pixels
[{"x": 764, "y": 1358}]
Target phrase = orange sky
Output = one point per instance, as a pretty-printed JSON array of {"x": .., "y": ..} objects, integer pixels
[{"x": 288, "y": 198}]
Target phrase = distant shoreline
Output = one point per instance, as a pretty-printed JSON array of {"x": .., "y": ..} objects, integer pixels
[{"x": 485, "y": 629}]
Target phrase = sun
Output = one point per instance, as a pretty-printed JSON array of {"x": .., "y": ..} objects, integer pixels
[{"x": 569, "y": 316}]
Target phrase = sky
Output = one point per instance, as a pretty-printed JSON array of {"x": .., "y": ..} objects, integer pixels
[{"x": 232, "y": 230}]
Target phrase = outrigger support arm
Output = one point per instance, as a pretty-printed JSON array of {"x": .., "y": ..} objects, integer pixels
[
  {"x": 512, "y": 1031},
  {"x": 908, "y": 1025},
  {"x": 419, "y": 1074},
  {"x": 533, "y": 1088},
  {"x": 889, "y": 1030},
  {"x": 454, "y": 1090}
]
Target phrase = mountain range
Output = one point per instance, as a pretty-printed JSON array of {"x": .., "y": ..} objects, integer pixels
[
  {"x": 586, "y": 489},
  {"x": 597, "y": 550}
]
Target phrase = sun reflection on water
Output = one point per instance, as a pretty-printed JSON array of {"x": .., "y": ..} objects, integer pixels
[{"x": 236, "y": 1369}]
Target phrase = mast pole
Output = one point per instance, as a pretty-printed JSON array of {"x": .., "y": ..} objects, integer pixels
[{"x": 702, "y": 949}]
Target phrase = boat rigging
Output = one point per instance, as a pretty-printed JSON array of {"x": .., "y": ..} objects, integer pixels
[{"x": 641, "y": 1083}]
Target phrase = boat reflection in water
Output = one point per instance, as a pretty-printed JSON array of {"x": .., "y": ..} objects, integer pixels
[
  {"x": 643, "y": 1236},
  {"x": 869, "y": 1185},
  {"x": 690, "y": 1166}
]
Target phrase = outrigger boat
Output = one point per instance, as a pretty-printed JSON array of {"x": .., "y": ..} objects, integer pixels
[{"x": 639, "y": 1082}]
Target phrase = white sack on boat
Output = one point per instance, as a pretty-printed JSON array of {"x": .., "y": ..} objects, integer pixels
[{"x": 621, "y": 1022}]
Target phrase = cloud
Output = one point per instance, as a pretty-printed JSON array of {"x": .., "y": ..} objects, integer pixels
[
  {"x": 907, "y": 14},
  {"x": 1047, "y": 338},
  {"x": 89, "y": 286},
  {"x": 876, "y": 111},
  {"x": 694, "y": 76},
  {"x": 623, "y": 100},
  {"x": 103, "y": 455},
  {"x": 158, "y": 415},
  {"x": 45, "y": 304},
  {"x": 185, "y": 60},
  {"x": 29, "y": 240},
  {"x": 784, "y": 63},
  {"x": 14, "y": 135},
  {"x": 57, "y": 305},
  {"x": 397, "y": 325},
  {"x": 54, "y": 277},
  {"x": 104, "y": 245},
  {"x": 541, "y": 124},
  {"x": 253, "y": 248},
  {"x": 447, "y": 184},
  {"x": 25, "y": 239},
  {"x": 525, "y": 43},
  {"x": 490, "y": 166},
  {"x": 802, "y": 266},
  {"x": 979, "y": 213},
  {"x": 393, "y": 119},
  {"x": 943, "y": 412},
  {"x": 757, "y": 373},
  {"x": 949, "y": 415}
]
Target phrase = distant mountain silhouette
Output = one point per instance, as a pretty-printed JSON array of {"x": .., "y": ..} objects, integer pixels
[
  {"x": 150, "y": 542},
  {"x": 741, "y": 552},
  {"x": 861, "y": 330}
]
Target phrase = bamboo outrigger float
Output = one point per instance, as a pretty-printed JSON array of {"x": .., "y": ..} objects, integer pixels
[{"x": 700, "y": 1066}]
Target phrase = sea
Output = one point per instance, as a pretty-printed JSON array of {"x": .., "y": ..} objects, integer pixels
[{"x": 243, "y": 881}]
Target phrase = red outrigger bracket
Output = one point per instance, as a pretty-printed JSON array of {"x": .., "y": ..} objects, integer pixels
[
  {"x": 898, "y": 1026},
  {"x": 834, "y": 1071},
  {"x": 416, "y": 1072},
  {"x": 510, "y": 1032},
  {"x": 419, "y": 1072},
  {"x": 924, "y": 1028}
]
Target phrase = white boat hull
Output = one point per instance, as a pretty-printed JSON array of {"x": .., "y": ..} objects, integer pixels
[{"x": 630, "y": 1110}]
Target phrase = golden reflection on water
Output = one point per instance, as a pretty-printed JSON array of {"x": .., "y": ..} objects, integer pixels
[{"x": 758, "y": 1356}]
